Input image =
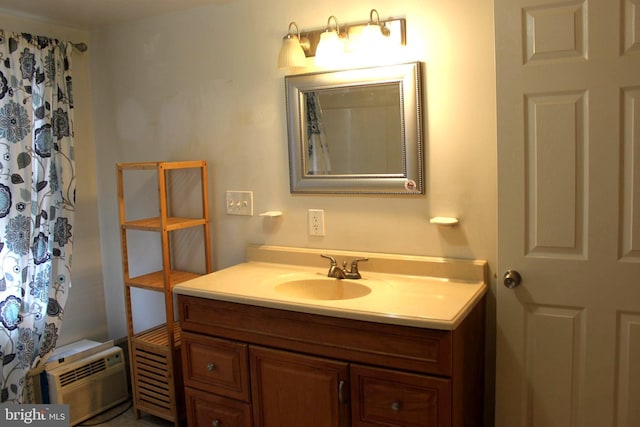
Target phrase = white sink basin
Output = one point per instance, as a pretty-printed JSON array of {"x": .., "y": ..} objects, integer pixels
[{"x": 322, "y": 289}]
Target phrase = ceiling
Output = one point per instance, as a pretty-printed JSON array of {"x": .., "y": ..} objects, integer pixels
[{"x": 87, "y": 14}]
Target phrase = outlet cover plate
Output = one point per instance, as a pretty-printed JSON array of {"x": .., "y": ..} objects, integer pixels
[
  {"x": 240, "y": 203},
  {"x": 316, "y": 222}
]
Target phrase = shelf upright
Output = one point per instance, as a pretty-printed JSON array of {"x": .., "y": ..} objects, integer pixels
[{"x": 154, "y": 354}]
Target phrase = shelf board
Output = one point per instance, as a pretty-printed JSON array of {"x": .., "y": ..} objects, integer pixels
[
  {"x": 155, "y": 281},
  {"x": 154, "y": 224},
  {"x": 158, "y": 336},
  {"x": 138, "y": 165},
  {"x": 166, "y": 165},
  {"x": 187, "y": 164}
]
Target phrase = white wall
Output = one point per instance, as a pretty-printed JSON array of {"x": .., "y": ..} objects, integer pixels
[
  {"x": 85, "y": 315},
  {"x": 203, "y": 84}
]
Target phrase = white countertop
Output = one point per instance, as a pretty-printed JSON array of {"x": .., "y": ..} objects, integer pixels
[{"x": 418, "y": 301}]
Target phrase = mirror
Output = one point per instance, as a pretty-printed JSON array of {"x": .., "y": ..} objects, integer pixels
[{"x": 356, "y": 131}]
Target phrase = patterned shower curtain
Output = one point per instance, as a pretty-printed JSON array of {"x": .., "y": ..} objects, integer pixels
[
  {"x": 37, "y": 203},
  {"x": 318, "y": 161}
]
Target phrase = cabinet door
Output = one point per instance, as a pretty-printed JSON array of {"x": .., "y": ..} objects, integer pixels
[
  {"x": 292, "y": 390},
  {"x": 383, "y": 397}
]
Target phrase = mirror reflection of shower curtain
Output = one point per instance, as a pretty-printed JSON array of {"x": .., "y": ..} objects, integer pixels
[{"x": 318, "y": 161}]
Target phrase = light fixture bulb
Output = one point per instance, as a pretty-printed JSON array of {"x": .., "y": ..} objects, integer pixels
[
  {"x": 371, "y": 37},
  {"x": 330, "y": 49},
  {"x": 374, "y": 39},
  {"x": 291, "y": 53},
  {"x": 292, "y": 50}
]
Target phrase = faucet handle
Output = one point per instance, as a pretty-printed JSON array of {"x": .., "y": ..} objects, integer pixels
[
  {"x": 330, "y": 258},
  {"x": 354, "y": 263},
  {"x": 353, "y": 272}
]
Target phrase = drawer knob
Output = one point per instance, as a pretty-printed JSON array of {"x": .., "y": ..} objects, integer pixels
[
  {"x": 396, "y": 406},
  {"x": 216, "y": 423},
  {"x": 211, "y": 367}
]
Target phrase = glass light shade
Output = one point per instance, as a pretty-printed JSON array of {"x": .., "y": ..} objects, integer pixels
[
  {"x": 291, "y": 53},
  {"x": 330, "y": 49},
  {"x": 371, "y": 37},
  {"x": 372, "y": 46}
]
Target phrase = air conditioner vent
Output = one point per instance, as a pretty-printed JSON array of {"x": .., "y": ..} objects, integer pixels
[
  {"x": 82, "y": 372},
  {"x": 89, "y": 385}
]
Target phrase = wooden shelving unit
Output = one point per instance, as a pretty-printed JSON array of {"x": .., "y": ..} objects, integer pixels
[{"x": 156, "y": 369}]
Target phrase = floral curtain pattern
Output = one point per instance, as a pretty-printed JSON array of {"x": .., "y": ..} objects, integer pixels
[
  {"x": 318, "y": 161},
  {"x": 37, "y": 202}
]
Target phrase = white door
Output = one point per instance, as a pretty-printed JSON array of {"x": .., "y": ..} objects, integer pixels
[{"x": 568, "y": 337}]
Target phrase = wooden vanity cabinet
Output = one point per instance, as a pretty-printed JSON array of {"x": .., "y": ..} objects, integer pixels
[{"x": 255, "y": 366}]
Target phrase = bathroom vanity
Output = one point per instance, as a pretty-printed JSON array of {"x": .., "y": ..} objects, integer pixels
[{"x": 261, "y": 347}]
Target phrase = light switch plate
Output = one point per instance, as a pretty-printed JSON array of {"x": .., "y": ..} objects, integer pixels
[{"x": 240, "y": 203}]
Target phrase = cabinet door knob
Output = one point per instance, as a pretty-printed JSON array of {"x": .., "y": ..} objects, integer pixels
[
  {"x": 396, "y": 406},
  {"x": 216, "y": 423},
  {"x": 211, "y": 367}
]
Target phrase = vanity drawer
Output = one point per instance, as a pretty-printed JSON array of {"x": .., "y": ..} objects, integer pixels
[
  {"x": 204, "y": 409},
  {"x": 216, "y": 365},
  {"x": 382, "y": 397}
]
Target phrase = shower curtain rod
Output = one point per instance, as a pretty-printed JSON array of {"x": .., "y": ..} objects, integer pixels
[{"x": 81, "y": 46}]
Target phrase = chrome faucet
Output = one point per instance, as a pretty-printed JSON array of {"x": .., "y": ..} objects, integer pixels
[{"x": 343, "y": 273}]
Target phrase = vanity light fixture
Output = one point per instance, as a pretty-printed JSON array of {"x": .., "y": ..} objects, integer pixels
[
  {"x": 292, "y": 50},
  {"x": 331, "y": 46},
  {"x": 366, "y": 38}
]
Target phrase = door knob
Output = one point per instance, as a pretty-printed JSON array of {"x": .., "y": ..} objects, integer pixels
[{"x": 511, "y": 279}]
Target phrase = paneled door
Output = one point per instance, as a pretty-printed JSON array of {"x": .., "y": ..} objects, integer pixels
[{"x": 568, "y": 94}]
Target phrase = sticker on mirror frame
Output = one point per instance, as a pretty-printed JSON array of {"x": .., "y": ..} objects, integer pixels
[{"x": 410, "y": 185}]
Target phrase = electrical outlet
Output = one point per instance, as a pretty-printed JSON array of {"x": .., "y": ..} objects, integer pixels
[
  {"x": 316, "y": 222},
  {"x": 240, "y": 203}
]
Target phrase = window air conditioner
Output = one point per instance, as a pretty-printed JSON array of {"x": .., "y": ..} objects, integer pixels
[{"x": 89, "y": 385}]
